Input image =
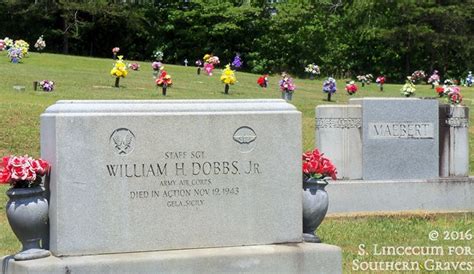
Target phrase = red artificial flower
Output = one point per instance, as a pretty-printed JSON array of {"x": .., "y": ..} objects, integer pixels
[
  {"x": 317, "y": 166},
  {"x": 439, "y": 90}
]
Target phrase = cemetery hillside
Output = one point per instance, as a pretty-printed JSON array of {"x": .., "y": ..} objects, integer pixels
[
  {"x": 84, "y": 78},
  {"x": 236, "y": 136}
]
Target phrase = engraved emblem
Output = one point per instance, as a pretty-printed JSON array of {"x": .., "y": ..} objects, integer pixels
[
  {"x": 123, "y": 141},
  {"x": 245, "y": 138}
]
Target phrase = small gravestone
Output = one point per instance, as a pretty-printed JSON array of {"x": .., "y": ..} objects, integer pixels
[{"x": 19, "y": 88}]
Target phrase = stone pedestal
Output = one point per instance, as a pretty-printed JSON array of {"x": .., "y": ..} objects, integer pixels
[
  {"x": 282, "y": 258},
  {"x": 454, "y": 141},
  {"x": 339, "y": 137}
]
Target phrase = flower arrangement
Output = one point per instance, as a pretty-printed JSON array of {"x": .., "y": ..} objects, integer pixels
[
  {"x": 23, "y": 45},
  {"x": 134, "y": 66},
  {"x": 365, "y": 79},
  {"x": 312, "y": 69},
  {"x": 228, "y": 76},
  {"x": 158, "y": 54},
  {"x": 434, "y": 79},
  {"x": 380, "y": 81},
  {"x": 2, "y": 45},
  {"x": 156, "y": 65},
  {"x": 329, "y": 85},
  {"x": 119, "y": 69},
  {"x": 454, "y": 96},
  {"x": 237, "y": 62},
  {"x": 316, "y": 166},
  {"x": 447, "y": 88},
  {"x": 351, "y": 87},
  {"x": 164, "y": 79},
  {"x": 198, "y": 63},
  {"x": 15, "y": 54},
  {"x": 8, "y": 42},
  {"x": 22, "y": 171},
  {"x": 208, "y": 67},
  {"x": 287, "y": 86},
  {"x": 47, "y": 85},
  {"x": 263, "y": 81},
  {"x": 115, "y": 51},
  {"x": 213, "y": 60},
  {"x": 40, "y": 44},
  {"x": 417, "y": 76},
  {"x": 469, "y": 79},
  {"x": 408, "y": 88}
]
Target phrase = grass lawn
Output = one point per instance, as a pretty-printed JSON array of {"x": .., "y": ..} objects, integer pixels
[{"x": 89, "y": 78}]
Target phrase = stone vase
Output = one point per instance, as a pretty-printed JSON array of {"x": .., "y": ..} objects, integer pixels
[
  {"x": 315, "y": 207},
  {"x": 27, "y": 213}
]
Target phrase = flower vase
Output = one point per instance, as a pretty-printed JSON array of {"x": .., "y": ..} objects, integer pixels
[
  {"x": 164, "y": 89},
  {"x": 315, "y": 207},
  {"x": 311, "y": 76},
  {"x": 117, "y": 82},
  {"x": 15, "y": 60},
  {"x": 27, "y": 213},
  {"x": 198, "y": 70},
  {"x": 155, "y": 73},
  {"x": 363, "y": 84},
  {"x": 226, "y": 89}
]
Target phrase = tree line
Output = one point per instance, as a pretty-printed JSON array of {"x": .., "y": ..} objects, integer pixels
[{"x": 344, "y": 37}]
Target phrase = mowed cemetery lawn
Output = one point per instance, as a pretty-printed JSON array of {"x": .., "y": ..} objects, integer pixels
[{"x": 83, "y": 78}]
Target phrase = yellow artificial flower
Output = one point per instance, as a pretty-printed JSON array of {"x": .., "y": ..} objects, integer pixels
[
  {"x": 228, "y": 76},
  {"x": 206, "y": 57},
  {"x": 119, "y": 69}
]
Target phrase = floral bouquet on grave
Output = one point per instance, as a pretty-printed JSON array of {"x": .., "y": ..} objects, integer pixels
[
  {"x": 40, "y": 44},
  {"x": 134, "y": 66},
  {"x": 23, "y": 45},
  {"x": 329, "y": 85},
  {"x": 434, "y": 79},
  {"x": 312, "y": 69},
  {"x": 115, "y": 51},
  {"x": 22, "y": 171},
  {"x": 380, "y": 80},
  {"x": 210, "y": 62},
  {"x": 2, "y": 45},
  {"x": 446, "y": 88},
  {"x": 158, "y": 54},
  {"x": 263, "y": 81},
  {"x": 164, "y": 79},
  {"x": 119, "y": 70},
  {"x": 8, "y": 42},
  {"x": 408, "y": 88},
  {"x": 351, "y": 87},
  {"x": 469, "y": 79},
  {"x": 228, "y": 78},
  {"x": 316, "y": 166},
  {"x": 454, "y": 96},
  {"x": 15, "y": 54},
  {"x": 286, "y": 83},
  {"x": 156, "y": 66},
  {"x": 365, "y": 79},
  {"x": 417, "y": 76},
  {"x": 237, "y": 62},
  {"x": 47, "y": 85},
  {"x": 198, "y": 63}
]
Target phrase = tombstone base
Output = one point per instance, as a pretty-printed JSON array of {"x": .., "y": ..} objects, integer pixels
[{"x": 282, "y": 258}]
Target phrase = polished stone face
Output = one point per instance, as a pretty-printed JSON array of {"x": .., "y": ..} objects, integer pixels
[
  {"x": 400, "y": 138},
  {"x": 155, "y": 175}
]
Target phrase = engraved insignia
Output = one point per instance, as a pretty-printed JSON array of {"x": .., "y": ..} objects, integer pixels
[
  {"x": 123, "y": 140},
  {"x": 245, "y": 137}
]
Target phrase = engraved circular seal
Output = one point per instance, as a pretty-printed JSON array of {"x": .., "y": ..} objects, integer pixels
[
  {"x": 245, "y": 138},
  {"x": 123, "y": 141}
]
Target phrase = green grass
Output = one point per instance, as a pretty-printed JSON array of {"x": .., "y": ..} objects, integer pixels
[{"x": 88, "y": 78}]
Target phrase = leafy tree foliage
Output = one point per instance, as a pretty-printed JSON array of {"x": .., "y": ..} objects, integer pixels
[{"x": 344, "y": 38}]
